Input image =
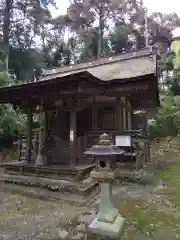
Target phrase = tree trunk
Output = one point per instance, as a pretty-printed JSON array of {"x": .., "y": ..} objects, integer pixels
[
  {"x": 6, "y": 29},
  {"x": 100, "y": 32}
]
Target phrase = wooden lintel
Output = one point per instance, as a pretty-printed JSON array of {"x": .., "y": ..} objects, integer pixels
[{"x": 77, "y": 106}]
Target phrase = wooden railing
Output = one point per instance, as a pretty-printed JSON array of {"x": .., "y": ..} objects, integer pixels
[{"x": 58, "y": 150}]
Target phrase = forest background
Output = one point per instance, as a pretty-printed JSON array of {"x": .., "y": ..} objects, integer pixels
[{"x": 32, "y": 41}]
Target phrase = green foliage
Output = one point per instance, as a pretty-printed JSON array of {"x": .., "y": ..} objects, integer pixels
[
  {"x": 169, "y": 65},
  {"x": 3, "y": 79},
  {"x": 9, "y": 126},
  {"x": 11, "y": 121},
  {"x": 25, "y": 63},
  {"x": 176, "y": 50},
  {"x": 119, "y": 38},
  {"x": 167, "y": 120}
]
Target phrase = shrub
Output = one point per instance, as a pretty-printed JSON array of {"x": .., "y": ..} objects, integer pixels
[
  {"x": 167, "y": 120},
  {"x": 11, "y": 123}
]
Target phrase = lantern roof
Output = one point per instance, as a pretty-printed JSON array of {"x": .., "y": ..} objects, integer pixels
[{"x": 105, "y": 147}]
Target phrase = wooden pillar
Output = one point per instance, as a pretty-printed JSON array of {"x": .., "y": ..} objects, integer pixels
[
  {"x": 124, "y": 115},
  {"x": 94, "y": 114},
  {"x": 129, "y": 117},
  {"x": 146, "y": 122},
  {"x": 72, "y": 137},
  {"x": 40, "y": 157},
  {"x": 45, "y": 118},
  {"x": 118, "y": 113},
  {"x": 29, "y": 134}
]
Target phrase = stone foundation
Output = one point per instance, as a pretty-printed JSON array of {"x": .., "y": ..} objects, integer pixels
[{"x": 79, "y": 192}]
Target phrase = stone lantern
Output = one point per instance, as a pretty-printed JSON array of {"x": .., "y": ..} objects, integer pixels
[{"x": 109, "y": 222}]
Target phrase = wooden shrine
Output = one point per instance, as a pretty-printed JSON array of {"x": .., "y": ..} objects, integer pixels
[{"x": 77, "y": 103}]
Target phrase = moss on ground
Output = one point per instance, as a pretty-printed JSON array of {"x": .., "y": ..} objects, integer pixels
[
  {"x": 171, "y": 175},
  {"x": 147, "y": 221},
  {"x": 156, "y": 220}
]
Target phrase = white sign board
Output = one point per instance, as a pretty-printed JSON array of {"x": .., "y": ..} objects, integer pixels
[
  {"x": 72, "y": 136},
  {"x": 123, "y": 141}
]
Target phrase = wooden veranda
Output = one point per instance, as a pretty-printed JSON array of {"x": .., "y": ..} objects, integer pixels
[{"x": 78, "y": 102}]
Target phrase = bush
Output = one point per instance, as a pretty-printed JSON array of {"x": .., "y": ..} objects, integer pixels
[
  {"x": 11, "y": 123},
  {"x": 167, "y": 120}
]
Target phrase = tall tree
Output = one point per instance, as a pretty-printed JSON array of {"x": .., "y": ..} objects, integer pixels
[{"x": 17, "y": 15}]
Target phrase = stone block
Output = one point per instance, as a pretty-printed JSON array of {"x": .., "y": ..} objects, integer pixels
[{"x": 106, "y": 229}]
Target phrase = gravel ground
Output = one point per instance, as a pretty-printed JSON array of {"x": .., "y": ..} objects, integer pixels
[
  {"x": 148, "y": 214},
  {"x": 28, "y": 218}
]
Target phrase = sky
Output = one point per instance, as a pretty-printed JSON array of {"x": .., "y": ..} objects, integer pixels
[{"x": 163, "y": 6}]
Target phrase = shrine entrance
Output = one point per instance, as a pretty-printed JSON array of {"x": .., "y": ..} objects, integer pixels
[
  {"x": 57, "y": 137},
  {"x": 83, "y": 121},
  {"x": 58, "y": 133}
]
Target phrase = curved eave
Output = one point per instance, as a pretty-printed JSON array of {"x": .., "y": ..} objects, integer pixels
[{"x": 37, "y": 88}]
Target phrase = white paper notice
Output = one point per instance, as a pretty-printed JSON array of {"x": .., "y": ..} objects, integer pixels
[{"x": 123, "y": 141}]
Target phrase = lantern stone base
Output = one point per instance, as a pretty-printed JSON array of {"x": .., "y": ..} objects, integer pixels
[
  {"x": 108, "y": 222},
  {"x": 106, "y": 229}
]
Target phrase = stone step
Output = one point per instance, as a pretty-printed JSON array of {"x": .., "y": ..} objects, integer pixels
[{"x": 81, "y": 194}]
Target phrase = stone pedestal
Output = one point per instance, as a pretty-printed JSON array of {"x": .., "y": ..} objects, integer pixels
[
  {"x": 109, "y": 222},
  {"x": 39, "y": 160}
]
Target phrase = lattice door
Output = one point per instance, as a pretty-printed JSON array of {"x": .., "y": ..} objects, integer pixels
[
  {"x": 107, "y": 118},
  {"x": 58, "y": 145}
]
